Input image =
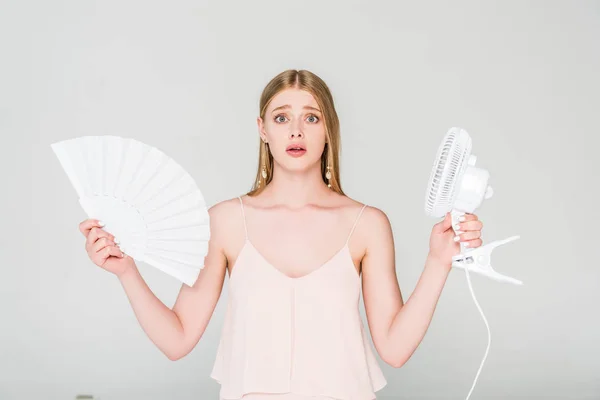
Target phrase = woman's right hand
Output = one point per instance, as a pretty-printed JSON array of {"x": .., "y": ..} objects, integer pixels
[{"x": 102, "y": 250}]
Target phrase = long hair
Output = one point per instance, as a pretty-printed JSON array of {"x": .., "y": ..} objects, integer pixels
[{"x": 303, "y": 80}]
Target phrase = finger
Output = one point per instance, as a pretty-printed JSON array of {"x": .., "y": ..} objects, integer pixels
[
  {"x": 88, "y": 224},
  {"x": 473, "y": 243},
  {"x": 469, "y": 226},
  {"x": 110, "y": 251},
  {"x": 466, "y": 236},
  {"x": 101, "y": 243},
  {"x": 470, "y": 217},
  {"x": 97, "y": 233}
]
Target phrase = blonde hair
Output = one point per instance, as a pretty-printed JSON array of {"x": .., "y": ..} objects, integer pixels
[{"x": 303, "y": 80}]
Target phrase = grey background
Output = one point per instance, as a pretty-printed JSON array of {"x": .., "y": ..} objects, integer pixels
[{"x": 521, "y": 77}]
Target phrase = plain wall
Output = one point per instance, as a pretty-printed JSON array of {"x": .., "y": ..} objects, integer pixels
[{"x": 521, "y": 77}]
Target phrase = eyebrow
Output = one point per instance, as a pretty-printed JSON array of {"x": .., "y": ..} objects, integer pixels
[{"x": 288, "y": 106}]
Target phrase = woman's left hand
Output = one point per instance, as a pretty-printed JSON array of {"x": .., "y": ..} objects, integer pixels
[{"x": 442, "y": 245}]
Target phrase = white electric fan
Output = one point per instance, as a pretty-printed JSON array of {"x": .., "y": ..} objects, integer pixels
[
  {"x": 149, "y": 203},
  {"x": 457, "y": 186}
]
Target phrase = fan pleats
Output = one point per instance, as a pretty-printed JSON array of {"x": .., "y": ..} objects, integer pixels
[{"x": 147, "y": 200}]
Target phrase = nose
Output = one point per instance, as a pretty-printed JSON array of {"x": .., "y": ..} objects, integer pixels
[{"x": 296, "y": 129}]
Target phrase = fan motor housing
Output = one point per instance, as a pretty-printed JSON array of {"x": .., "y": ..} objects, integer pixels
[{"x": 472, "y": 189}]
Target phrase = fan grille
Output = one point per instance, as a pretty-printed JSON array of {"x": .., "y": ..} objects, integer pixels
[{"x": 447, "y": 170}]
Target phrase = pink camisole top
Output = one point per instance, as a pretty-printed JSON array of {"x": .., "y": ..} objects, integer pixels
[{"x": 295, "y": 337}]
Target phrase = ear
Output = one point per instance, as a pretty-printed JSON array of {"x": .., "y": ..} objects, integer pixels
[{"x": 261, "y": 128}]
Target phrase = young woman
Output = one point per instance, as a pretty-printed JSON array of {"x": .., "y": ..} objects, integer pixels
[{"x": 298, "y": 252}]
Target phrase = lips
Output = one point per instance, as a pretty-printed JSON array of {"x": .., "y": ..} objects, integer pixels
[
  {"x": 295, "y": 147},
  {"x": 295, "y": 150}
]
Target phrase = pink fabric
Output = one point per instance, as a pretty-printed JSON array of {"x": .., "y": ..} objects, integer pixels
[
  {"x": 295, "y": 338},
  {"x": 284, "y": 396}
]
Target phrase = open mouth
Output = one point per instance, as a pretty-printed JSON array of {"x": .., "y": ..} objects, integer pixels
[{"x": 295, "y": 150}]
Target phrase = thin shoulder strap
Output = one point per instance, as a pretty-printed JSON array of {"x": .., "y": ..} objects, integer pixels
[
  {"x": 355, "y": 222},
  {"x": 243, "y": 216}
]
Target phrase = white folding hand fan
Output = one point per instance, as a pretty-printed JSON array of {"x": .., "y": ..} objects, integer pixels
[
  {"x": 457, "y": 186},
  {"x": 149, "y": 203}
]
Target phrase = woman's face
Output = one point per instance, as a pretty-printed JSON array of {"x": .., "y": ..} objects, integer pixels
[{"x": 293, "y": 118}]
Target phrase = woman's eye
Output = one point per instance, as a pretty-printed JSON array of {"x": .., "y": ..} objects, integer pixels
[{"x": 311, "y": 118}]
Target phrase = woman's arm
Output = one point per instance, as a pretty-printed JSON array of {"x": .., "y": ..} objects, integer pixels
[
  {"x": 396, "y": 328},
  {"x": 176, "y": 332}
]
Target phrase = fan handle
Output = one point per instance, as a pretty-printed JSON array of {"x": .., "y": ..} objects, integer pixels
[{"x": 478, "y": 260}]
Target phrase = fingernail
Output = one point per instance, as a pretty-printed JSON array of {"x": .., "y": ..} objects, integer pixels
[
  {"x": 456, "y": 238},
  {"x": 462, "y": 219},
  {"x": 101, "y": 223},
  {"x": 466, "y": 244},
  {"x": 457, "y": 227},
  {"x": 117, "y": 241}
]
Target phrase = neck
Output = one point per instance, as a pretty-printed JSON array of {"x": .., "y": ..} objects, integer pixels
[{"x": 296, "y": 189}]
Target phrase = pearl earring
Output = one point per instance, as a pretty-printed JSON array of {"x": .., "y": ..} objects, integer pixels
[{"x": 263, "y": 173}]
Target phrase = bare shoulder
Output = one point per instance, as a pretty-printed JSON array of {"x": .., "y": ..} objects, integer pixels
[
  {"x": 373, "y": 228},
  {"x": 224, "y": 216},
  {"x": 223, "y": 208},
  {"x": 372, "y": 217},
  {"x": 226, "y": 227},
  {"x": 376, "y": 218}
]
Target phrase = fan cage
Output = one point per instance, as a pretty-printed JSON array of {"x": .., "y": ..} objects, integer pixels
[{"x": 448, "y": 167}]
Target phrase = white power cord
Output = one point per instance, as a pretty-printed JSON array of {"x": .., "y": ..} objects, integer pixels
[
  {"x": 488, "y": 331},
  {"x": 457, "y": 185}
]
